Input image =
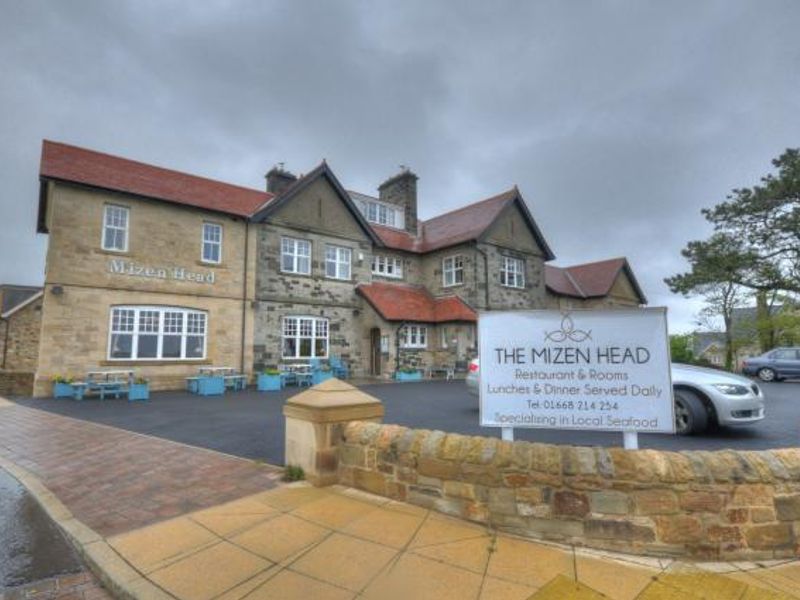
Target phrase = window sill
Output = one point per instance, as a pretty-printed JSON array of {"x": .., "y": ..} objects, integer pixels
[
  {"x": 212, "y": 265},
  {"x": 293, "y": 274},
  {"x": 153, "y": 363},
  {"x": 512, "y": 287},
  {"x": 452, "y": 285},
  {"x": 115, "y": 252},
  {"x": 349, "y": 280}
]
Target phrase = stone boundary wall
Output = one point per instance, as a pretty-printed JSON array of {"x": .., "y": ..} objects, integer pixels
[
  {"x": 705, "y": 505},
  {"x": 16, "y": 383}
]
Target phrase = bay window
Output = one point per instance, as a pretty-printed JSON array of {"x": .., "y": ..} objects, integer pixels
[
  {"x": 304, "y": 337},
  {"x": 156, "y": 333},
  {"x": 414, "y": 336}
]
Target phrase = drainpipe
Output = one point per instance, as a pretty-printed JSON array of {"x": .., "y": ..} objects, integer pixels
[
  {"x": 244, "y": 292},
  {"x": 397, "y": 345},
  {"x": 485, "y": 275},
  {"x": 5, "y": 342}
]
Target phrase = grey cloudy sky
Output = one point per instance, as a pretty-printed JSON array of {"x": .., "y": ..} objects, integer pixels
[{"x": 618, "y": 120}]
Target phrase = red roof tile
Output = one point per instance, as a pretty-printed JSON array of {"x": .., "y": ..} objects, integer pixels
[
  {"x": 589, "y": 280},
  {"x": 78, "y": 165},
  {"x": 400, "y": 302},
  {"x": 455, "y": 227}
]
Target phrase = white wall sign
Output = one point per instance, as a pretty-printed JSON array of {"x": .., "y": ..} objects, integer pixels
[
  {"x": 132, "y": 269},
  {"x": 584, "y": 369}
]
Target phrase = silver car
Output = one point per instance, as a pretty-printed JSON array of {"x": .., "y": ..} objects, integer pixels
[{"x": 702, "y": 397}]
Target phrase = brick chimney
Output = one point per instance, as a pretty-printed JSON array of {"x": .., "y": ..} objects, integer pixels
[
  {"x": 278, "y": 179},
  {"x": 401, "y": 190}
]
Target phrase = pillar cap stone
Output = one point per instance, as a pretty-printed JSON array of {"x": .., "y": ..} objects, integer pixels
[{"x": 333, "y": 401}]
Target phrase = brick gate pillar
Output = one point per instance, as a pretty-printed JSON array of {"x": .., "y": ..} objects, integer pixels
[{"x": 315, "y": 420}]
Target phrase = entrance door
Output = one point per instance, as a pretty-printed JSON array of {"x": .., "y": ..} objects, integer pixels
[{"x": 375, "y": 351}]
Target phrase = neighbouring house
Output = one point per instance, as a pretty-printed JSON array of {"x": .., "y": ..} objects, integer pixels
[
  {"x": 20, "y": 328},
  {"x": 161, "y": 271}
]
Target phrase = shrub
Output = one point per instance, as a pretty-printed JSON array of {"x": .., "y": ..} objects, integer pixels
[{"x": 293, "y": 473}]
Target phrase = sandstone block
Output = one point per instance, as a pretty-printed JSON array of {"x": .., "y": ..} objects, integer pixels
[
  {"x": 451, "y": 448},
  {"x": 516, "y": 479},
  {"x": 351, "y": 454},
  {"x": 458, "y": 489},
  {"x": 556, "y": 528},
  {"x": 546, "y": 459},
  {"x": 431, "y": 444},
  {"x": 655, "y": 502},
  {"x": 532, "y": 495},
  {"x": 371, "y": 481},
  {"x": 434, "y": 467},
  {"x": 787, "y": 507},
  {"x": 521, "y": 455},
  {"x": 570, "y": 504},
  {"x": 540, "y": 511},
  {"x": 701, "y": 502},
  {"x": 610, "y": 502},
  {"x": 502, "y": 501},
  {"x": 753, "y": 495},
  {"x": 762, "y": 514},
  {"x": 736, "y": 515},
  {"x": 679, "y": 529},
  {"x": 481, "y": 475},
  {"x": 765, "y": 537},
  {"x": 503, "y": 455},
  {"x": 609, "y": 529},
  {"x": 723, "y": 534},
  {"x": 475, "y": 511}
]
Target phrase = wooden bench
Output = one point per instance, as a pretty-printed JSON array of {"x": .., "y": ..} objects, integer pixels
[
  {"x": 107, "y": 383},
  {"x": 448, "y": 372}
]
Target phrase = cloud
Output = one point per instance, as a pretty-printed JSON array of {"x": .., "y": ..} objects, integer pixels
[{"x": 618, "y": 121}]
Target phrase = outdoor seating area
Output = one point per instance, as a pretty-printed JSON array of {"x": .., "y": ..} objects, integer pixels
[
  {"x": 215, "y": 381},
  {"x": 302, "y": 374},
  {"x": 104, "y": 384}
]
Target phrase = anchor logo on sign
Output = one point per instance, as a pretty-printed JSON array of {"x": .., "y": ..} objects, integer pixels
[{"x": 567, "y": 332}]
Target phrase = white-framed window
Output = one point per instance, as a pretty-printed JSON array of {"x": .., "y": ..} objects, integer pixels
[
  {"x": 295, "y": 256},
  {"x": 156, "y": 333},
  {"x": 387, "y": 266},
  {"x": 115, "y": 228},
  {"x": 212, "y": 243},
  {"x": 443, "y": 337},
  {"x": 384, "y": 344},
  {"x": 512, "y": 273},
  {"x": 304, "y": 337},
  {"x": 453, "y": 270},
  {"x": 337, "y": 262},
  {"x": 414, "y": 336}
]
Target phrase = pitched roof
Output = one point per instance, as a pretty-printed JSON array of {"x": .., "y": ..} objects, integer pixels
[
  {"x": 64, "y": 162},
  {"x": 589, "y": 280},
  {"x": 322, "y": 170},
  {"x": 20, "y": 305},
  {"x": 401, "y": 302},
  {"x": 457, "y": 226},
  {"x": 14, "y": 295}
]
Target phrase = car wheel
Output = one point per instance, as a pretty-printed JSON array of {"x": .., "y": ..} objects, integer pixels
[
  {"x": 767, "y": 374},
  {"x": 691, "y": 415}
]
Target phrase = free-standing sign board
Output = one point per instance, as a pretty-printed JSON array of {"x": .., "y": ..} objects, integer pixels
[{"x": 583, "y": 369}]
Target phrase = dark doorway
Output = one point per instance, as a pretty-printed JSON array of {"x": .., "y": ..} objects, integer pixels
[{"x": 375, "y": 351}]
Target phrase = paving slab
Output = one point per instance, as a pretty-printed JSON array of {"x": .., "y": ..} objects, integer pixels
[{"x": 251, "y": 538}]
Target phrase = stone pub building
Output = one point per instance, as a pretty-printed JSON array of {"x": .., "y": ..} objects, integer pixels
[{"x": 161, "y": 272}]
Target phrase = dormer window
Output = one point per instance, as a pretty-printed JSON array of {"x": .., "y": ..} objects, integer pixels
[{"x": 382, "y": 213}]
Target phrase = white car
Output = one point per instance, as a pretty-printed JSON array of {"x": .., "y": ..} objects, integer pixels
[{"x": 702, "y": 397}]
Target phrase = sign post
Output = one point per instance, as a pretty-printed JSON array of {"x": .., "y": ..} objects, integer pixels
[{"x": 598, "y": 370}]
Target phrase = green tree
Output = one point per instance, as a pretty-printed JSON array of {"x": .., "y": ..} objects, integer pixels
[
  {"x": 755, "y": 245},
  {"x": 680, "y": 348}
]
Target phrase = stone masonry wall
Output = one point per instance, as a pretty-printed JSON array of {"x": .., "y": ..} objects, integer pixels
[
  {"x": 19, "y": 346},
  {"x": 704, "y": 505},
  {"x": 16, "y": 383}
]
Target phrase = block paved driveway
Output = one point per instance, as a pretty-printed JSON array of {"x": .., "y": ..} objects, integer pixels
[
  {"x": 250, "y": 423},
  {"x": 114, "y": 480}
]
